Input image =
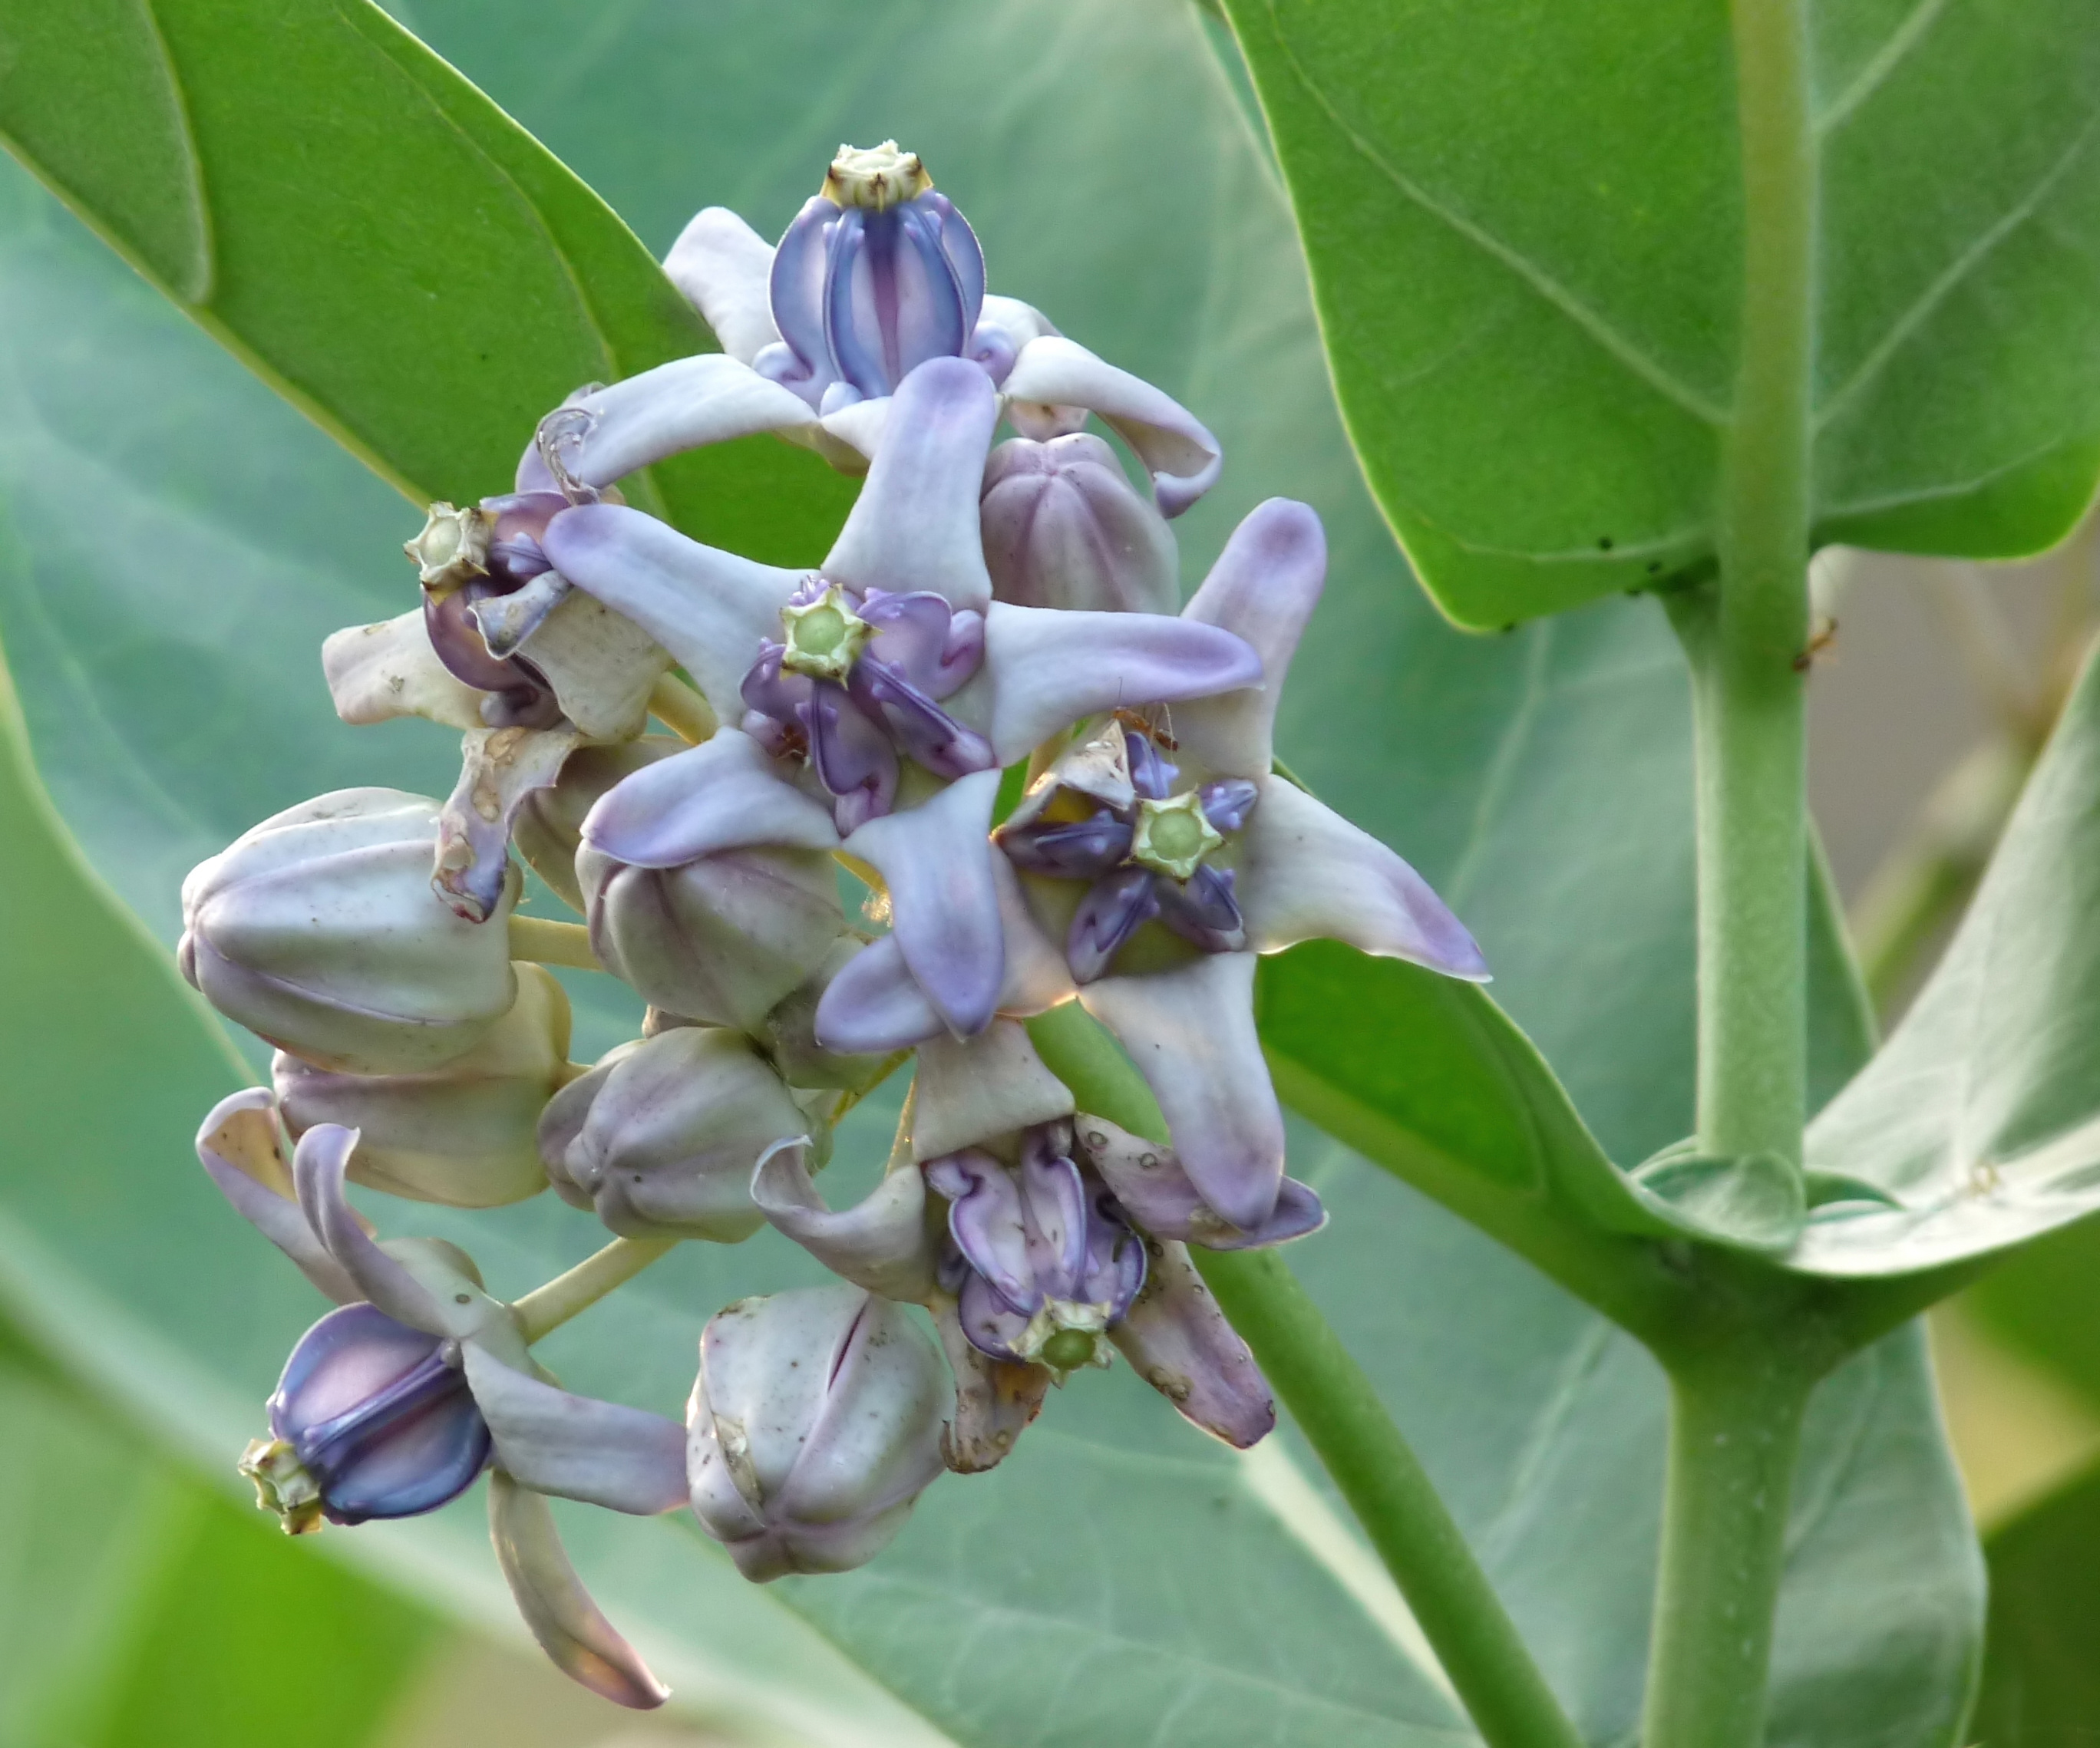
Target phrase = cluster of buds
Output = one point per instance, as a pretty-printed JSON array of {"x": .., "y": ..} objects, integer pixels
[{"x": 987, "y": 611}]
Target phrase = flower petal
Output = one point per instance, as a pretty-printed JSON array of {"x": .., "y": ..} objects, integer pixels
[
  {"x": 969, "y": 1091},
  {"x": 994, "y": 1399},
  {"x": 1113, "y": 909},
  {"x": 881, "y": 1243},
  {"x": 851, "y": 755},
  {"x": 1178, "y": 1342},
  {"x": 1045, "y": 670},
  {"x": 318, "y": 1167},
  {"x": 237, "y": 1143},
  {"x": 987, "y": 1221},
  {"x": 707, "y": 399},
  {"x": 1182, "y": 456},
  {"x": 723, "y": 794},
  {"x": 710, "y": 609},
  {"x": 377, "y": 672},
  {"x": 722, "y": 266},
  {"x": 600, "y": 665},
  {"x": 1191, "y": 1033},
  {"x": 1152, "y": 1188},
  {"x": 1263, "y": 587},
  {"x": 1306, "y": 874},
  {"x": 558, "y": 1609},
  {"x": 915, "y": 525},
  {"x": 935, "y": 858},
  {"x": 499, "y": 770},
  {"x": 576, "y": 1447}
]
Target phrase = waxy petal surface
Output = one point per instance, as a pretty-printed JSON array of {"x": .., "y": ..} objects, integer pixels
[
  {"x": 578, "y": 1448},
  {"x": 1178, "y": 1341},
  {"x": 726, "y": 794},
  {"x": 1181, "y": 455}
]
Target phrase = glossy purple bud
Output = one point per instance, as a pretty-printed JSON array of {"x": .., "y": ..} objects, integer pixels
[
  {"x": 1062, "y": 528},
  {"x": 814, "y": 1427},
  {"x": 371, "y": 1418}
]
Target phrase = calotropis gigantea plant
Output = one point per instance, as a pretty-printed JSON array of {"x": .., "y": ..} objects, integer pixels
[{"x": 1840, "y": 297}]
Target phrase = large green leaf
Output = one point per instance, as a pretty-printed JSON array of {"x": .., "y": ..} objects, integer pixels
[
  {"x": 2041, "y": 1681},
  {"x": 1525, "y": 226},
  {"x": 1979, "y": 1121},
  {"x": 162, "y": 601}
]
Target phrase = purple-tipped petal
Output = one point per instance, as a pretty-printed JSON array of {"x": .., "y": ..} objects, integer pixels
[
  {"x": 1178, "y": 1341},
  {"x": 723, "y": 794},
  {"x": 1156, "y": 1193},
  {"x": 237, "y": 1144},
  {"x": 576, "y": 1447},
  {"x": 995, "y": 1399},
  {"x": 1227, "y": 805},
  {"x": 1203, "y": 909},
  {"x": 921, "y": 729},
  {"x": 500, "y": 768},
  {"x": 557, "y": 1610},
  {"x": 319, "y": 1164},
  {"x": 935, "y": 858},
  {"x": 853, "y": 757},
  {"x": 934, "y": 646},
  {"x": 1182, "y": 456},
  {"x": 722, "y": 266},
  {"x": 1046, "y": 670},
  {"x": 1191, "y": 1033},
  {"x": 1263, "y": 587},
  {"x": 1069, "y": 849},
  {"x": 989, "y": 1223},
  {"x": 970, "y": 1091},
  {"x": 915, "y": 525},
  {"x": 1306, "y": 874},
  {"x": 1116, "y": 907},
  {"x": 690, "y": 402},
  {"x": 710, "y": 609},
  {"x": 874, "y": 1005},
  {"x": 881, "y": 1245}
]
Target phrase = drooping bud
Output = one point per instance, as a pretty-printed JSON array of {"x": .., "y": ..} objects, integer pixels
[
  {"x": 318, "y": 930},
  {"x": 814, "y": 1425},
  {"x": 464, "y": 1134},
  {"x": 661, "y": 1136},
  {"x": 1062, "y": 528},
  {"x": 721, "y": 939},
  {"x": 877, "y": 273},
  {"x": 548, "y": 829},
  {"x": 371, "y": 1418}
]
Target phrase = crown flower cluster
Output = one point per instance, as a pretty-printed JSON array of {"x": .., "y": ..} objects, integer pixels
[{"x": 983, "y": 705}]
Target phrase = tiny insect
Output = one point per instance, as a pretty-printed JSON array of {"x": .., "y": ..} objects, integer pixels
[
  {"x": 1821, "y": 636},
  {"x": 1139, "y": 725}
]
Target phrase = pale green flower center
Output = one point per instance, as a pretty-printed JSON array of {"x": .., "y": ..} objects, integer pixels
[
  {"x": 1173, "y": 837},
  {"x": 825, "y": 638}
]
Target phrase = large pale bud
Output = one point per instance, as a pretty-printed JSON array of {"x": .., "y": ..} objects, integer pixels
[
  {"x": 1063, "y": 528},
  {"x": 814, "y": 1427},
  {"x": 548, "y": 829},
  {"x": 721, "y": 939},
  {"x": 660, "y": 1138},
  {"x": 319, "y": 932},
  {"x": 466, "y": 1132}
]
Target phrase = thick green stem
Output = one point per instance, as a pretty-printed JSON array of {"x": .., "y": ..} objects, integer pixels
[
  {"x": 1747, "y": 637},
  {"x": 1734, "y": 1430},
  {"x": 547, "y": 940},
  {"x": 1337, "y": 1408}
]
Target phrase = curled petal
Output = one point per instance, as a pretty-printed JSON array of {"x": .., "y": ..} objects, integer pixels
[
  {"x": 935, "y": 647},
  {"x": 1114, "y": 908},
  {"x": 990, "y": 1223},
  {"x": 576, "y": 1447},
  {"x": 993, "y": 1327},
  {"x": 1182, "y": 456},
  {"x": 722, "y": 266},
  {"x": 499, "y": 770},
  {"x": 995, "y": 1399},
  {"x": 1306, "y": 874},
  {"x": 1152, "y": 1188},
  {"x": 969, "y": 1091},
  {"x": 1045, "y": 670},
  {"x": 1203, "y": 908},
  {"x": 1178, "y": 1342},
  {"x": 903, "y": 284},
  {"x": 581, "y": 1642},
  {"x": 377, "y": 672},
  {"x": 915, "y": 525},
  {"x": 710, "y": 609},
  {"x": 1264, "y": 587},
  {"x": 1190, "y": 1031},
  {"x": 921, "y": 730},
  {"x": 237, "y": 1144},
  {"x": 937, "y": 859},
  {"x": 881, "y": 1245},
  {"x": 723, "y": 794},
  {"x": 707, "y": 399},
  {"x": 853, "y": 757}
]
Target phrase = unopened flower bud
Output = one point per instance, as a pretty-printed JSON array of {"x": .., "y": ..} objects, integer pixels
[
  {"x": 661, "y": 1136},
  {"x": 1063, "y": 528},
  {"x": 318, "y": 930},
  {"x": 465, "y": 1133},
  {"x": 814, "y": 1427},
  {"x": 372, "y": 1419},
  {"x": 549, "y": 827},
  {"x": 721, "y": 939}
]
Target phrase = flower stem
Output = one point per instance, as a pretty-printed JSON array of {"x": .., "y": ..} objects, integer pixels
[
  {"x": 1337, "y": 1408},
  {"x": 681, "y": 709},
  {"x": 1735, "y": 1431},
  {"x": 546, "y": 941},
  {"x": 545, "y": 1309}
]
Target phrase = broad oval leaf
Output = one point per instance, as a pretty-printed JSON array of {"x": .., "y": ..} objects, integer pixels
[
  {"x": 1525, "y": 227},
  {"x": 162, "y": 610}
]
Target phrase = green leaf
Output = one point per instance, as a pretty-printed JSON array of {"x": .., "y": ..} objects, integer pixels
[
  {"x": 1121, "y": 1576},
  {"x": 1980, "y": 1118},
  {"x": 1525, "y": 226},
  {"x": 2041, "y": 1683}
]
